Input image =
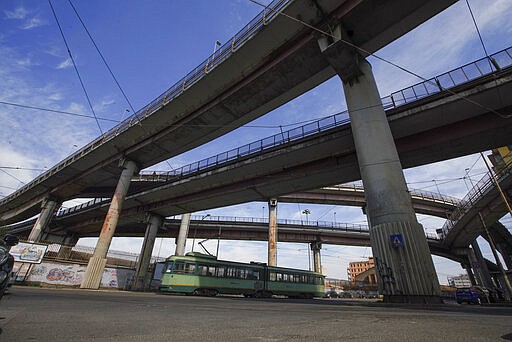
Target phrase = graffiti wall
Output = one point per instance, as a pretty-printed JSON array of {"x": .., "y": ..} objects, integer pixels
[{"x": 72, "y": 275}]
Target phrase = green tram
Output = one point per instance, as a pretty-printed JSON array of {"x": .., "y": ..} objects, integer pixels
[{"x": 201, "y": 274}]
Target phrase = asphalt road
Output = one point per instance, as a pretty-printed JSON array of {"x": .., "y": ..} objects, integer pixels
[{"x": 36, "y": 314}]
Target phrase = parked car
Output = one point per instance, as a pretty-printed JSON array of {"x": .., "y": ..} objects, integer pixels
[
  {"x": 472, "y": 295},
  {"x": 6, "y": 261},
  {"x": 331, "y": 294}
]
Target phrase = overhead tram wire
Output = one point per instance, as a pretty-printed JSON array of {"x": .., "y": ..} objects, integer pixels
[
  {"x": 484, "y": 48},
  {"x": 366, "y": 52},
  {"x": 103, "y": 58},
  {"x": 56, "y": 111},
  {"x": 8, "y": 174},
  {"x": 74, "y": 66}
]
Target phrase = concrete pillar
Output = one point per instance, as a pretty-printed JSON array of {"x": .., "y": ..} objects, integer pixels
[
  {"x": 48, "y": 208},
  {"x": 479, "y": 265},
  {"x": 404, "y": 266},
  {"x": 504, "y": 251},
  {"x": 96, "y": 265},
  {"x": 469, "y": 272},
  {"x": 316, "y": 246},
  {"x": 181, "y": 241},
  {"x": 272, "y": 232},
  {"x": 141, "y": 270}
]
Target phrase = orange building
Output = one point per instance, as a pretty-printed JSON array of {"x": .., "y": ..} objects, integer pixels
[{"x": 362, "y": 272}]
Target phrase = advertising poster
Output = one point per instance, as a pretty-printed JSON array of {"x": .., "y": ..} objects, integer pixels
[{"x": 28, "y": 252}]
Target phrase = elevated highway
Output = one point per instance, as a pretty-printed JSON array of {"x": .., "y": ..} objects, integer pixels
[
  {"x": 436, "y": 127},
  {"x": 269, "y": 62},
  {"x": 464, "y": 224}
]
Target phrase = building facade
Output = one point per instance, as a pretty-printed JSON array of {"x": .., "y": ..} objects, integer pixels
[{"x": 366, "y": 269}]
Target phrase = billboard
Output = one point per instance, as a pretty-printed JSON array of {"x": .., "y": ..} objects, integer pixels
[{"x": 28, "y": 252}]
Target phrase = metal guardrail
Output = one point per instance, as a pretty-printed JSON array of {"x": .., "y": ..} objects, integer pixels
[
  {"x": 471, "y": 71},
  {"x": 419, "y": 194},
  {"x": 481, "y": 188},
  {"x": 348, "y": 227},
  {"x": 90, "y": 204}
]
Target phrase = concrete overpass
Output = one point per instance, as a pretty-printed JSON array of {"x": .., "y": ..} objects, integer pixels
[{"x": 269, "y": 62}]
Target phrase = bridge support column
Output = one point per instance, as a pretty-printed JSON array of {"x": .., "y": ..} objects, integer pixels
[
  {"x": 141, "y": 270},
  {"x": 506, "y": 256},
  {"x": 181, "y": 241},
  {"x": 96, "y": 265},
  {"x": 316, "y": 246},
  {"x": 479, "y": 266},
  {"x": 469, "y": 272},
  {"x": 403, "y": 262},
  {"x": 272, "y": 232},
  {"x": 48, "y": 208}
]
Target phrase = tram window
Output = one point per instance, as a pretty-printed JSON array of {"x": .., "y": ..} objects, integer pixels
[
  {"x": 304, "y": 279},
  {"x": 179, "y": 267},
  {"x": 279, "y": 277},
  {"x": 169, "y": 267},
  {"x": 190, "y": 268},
  {"x": 231, "y": 272},
  {"x": 203, "y": 270},
  {"x": 242, "y": 273},
  {"x": 220, "y": 272},
  {"x": 286, "y": 277},
  {"x": 273, "y": 276},
  {"x": 253, "y": 274},
  {"x": 211, "y": 270}
]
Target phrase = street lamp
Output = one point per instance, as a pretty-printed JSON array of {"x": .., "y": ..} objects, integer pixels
[
  {"x": 306, "y": 212},
  {"x": 195, "y": 231},
  {"x": 335, "y": 217}
]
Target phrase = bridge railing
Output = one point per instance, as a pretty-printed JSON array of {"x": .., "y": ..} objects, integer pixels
[
  {"x": 480, "y": 188},
  {"x": 252, "y": 148},
  {"x": 96, "y": 202},
  {"x": 450, "y": 79},
  {"x": 348, "y": 227},
  {"x": 419, "y": 194}
]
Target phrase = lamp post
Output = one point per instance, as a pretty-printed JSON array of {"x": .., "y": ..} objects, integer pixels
[
  {"x": 195, "y": 231},
  {"x": 306, "y": 212}
]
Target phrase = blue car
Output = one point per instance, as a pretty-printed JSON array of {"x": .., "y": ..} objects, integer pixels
[{"x": 471, "y": 295}]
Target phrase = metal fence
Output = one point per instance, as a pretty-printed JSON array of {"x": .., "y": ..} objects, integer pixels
[
  {"x": 307, "y": 224},
  {"x": 471, "y": 71}
]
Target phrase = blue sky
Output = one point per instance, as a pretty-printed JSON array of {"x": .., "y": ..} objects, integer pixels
[{"x": 150, "y": 45}]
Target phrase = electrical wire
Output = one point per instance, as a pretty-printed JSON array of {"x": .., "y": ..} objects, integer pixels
[
  {"x": 20, "y": 168},
  {"x": 366, "y": 52},
  {"x": 102, "y": 57},
  {"x": 7, "y": 173},
  {"x": 74, "y": 66},
  {"x": 56, "y": 111}
]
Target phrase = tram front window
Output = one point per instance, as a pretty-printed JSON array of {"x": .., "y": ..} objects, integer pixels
[{"x": 169, "y": 268}]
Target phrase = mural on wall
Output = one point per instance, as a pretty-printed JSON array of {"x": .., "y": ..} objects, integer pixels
[{"x": 72, "y": 274}]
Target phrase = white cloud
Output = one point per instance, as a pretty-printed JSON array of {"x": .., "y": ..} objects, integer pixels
[
  {"x": 19, "y": 13},
  {"x": 67, "y": 63},
  {"x": 33, "y": 23}
]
